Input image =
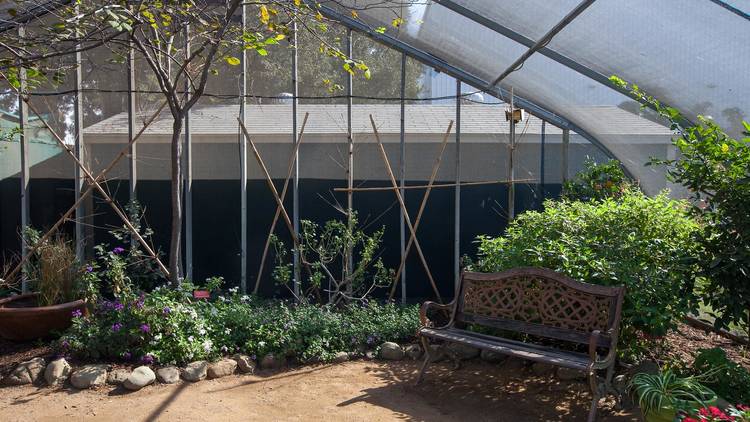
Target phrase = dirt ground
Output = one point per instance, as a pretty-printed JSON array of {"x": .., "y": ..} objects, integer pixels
[{"x": 352, "y": 391}]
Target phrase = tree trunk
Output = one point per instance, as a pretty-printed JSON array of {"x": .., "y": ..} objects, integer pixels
[{"x": 176, "y": 238}]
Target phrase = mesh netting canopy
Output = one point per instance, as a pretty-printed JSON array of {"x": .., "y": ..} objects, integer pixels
[{"x": 690, "y": 54}]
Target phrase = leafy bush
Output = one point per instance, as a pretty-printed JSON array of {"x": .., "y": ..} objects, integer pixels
[
  {"x": 716, "y": 170},
  {"x": 640, "y": 242},
  {"x": 597, "y": 181},
  {"x": 326, "y": 253},
  {"x": 169, "y": 326},
  {"x": 728, "y": 379}
]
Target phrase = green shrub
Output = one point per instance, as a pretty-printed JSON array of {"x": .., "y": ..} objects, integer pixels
[
  {"x": 169, "y": 326},
  {"x": 643, "y": 243},
  {"x": 728, "y": 379},
  {"x": 715, "y": 168},
  {"x": 597, "y": 181}
]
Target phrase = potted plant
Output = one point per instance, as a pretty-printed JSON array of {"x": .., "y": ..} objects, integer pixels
[
  {"x": 60, "y": 289},
  {"x": 662, "y": 395}
]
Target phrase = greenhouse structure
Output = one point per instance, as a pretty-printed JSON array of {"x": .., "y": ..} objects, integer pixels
[{"x": 337, "y": 152}]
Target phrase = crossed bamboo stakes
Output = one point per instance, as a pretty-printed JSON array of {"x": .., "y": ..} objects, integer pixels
[
  {"x": 281, "y": 209},
  {"x": 94, "y": 183}
]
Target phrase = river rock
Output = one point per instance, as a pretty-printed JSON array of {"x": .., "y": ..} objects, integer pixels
[
  {"x": 89, "y": 376},
  {"x": 195, "y": 371},
  {"x": 414, "y": 351},
  {"x": 168, "y": 375},
  {"x": 492, "y": 357},
  {"x": 27, "y": 372},
  {"x": 567, "y": 374},
  {"x": 340, "y": 357},
  {"x": 221, "y": 368},
  {"x": 462, "y": 351},
  {"x": 271, "y": 361},
  {"x": 57, "y": 372},
  {"x": 139, "y": 378},
  {"x": 244, "y": 363},
  {"x": 391, "y": 351},
  {"x": 117, "y": 376}
]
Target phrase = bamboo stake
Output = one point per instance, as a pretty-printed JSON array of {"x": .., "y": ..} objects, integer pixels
[
  {"x": 434, "y": 186},
  {"x": 101, "y": 190},
  {"x": 403, "y": 208},
  {"x": 269, "y": 181},
  {"x": 422, "y": 205},
  {"x": 85, "y": 193},
  {"x": 290, "y": 170}
]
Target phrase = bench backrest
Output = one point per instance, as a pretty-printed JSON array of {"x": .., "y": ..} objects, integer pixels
[{"x": 540, "y": 302}]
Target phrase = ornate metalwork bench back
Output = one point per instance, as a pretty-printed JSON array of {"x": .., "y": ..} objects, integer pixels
[{"x": 540, "y": 302}]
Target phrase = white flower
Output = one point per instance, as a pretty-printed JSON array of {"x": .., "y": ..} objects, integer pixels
[
  {"x": 245, "y": 298},
  {"x": 207, "y": 345},
  {"x": 202, "y": 331},
  {"x": 261, "y": 343},
  {"x": 191, "y": 339},
  {"x": 234, "y": 290},
  {"x": 227, "y": 331},
  {"x": 157, "y": 337}
]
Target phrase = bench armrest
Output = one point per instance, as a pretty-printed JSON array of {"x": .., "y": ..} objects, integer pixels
[
  {"x": 604, "y": 362},
  {"x": 427, "y": 305}
]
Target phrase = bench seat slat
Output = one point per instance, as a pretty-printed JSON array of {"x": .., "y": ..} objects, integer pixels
[{"x": 533, "y": 352}]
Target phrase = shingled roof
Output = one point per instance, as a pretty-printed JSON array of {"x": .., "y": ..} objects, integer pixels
[{"x": 276, "y": 119}]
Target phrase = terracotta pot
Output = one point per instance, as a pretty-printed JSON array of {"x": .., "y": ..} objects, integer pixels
[{"x": 22, "y": 320}]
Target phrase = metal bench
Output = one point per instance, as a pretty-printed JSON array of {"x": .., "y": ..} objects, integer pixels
[{"x": 542, "y": 304}]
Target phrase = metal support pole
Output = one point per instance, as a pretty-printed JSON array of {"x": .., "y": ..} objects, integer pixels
[
  {"x": 132, "y": 153},
  {"x": 79, "y": 152},
  {"x": 188, "y": 172},
  {"x": 23, "y": 118},
  {"x": 511, "y": 169},
  {"x": 295, "y": 182},
  {"x": 402, "y": 172},
  {"x": 542, "y": 157},
  {"x": 564, "y": 153},
  {"x": 243, "y": 162},
  {"x": 546, "y": 38},
  {"x": 350, "y": 165},
  {"x": 457, "y": 203}
]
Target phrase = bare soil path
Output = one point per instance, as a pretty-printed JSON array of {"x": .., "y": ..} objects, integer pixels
[{"x": 353, "y": 391}]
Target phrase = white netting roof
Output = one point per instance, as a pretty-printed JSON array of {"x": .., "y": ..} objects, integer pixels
[{"x": 690, "y": 54}]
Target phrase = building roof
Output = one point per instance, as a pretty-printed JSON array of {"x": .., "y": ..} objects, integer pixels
[{"x": 276, "y": 119}]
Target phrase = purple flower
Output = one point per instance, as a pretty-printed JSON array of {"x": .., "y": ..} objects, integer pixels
[
  {"x": 118, "y": 250},
  {"x": 147, "y": 359},
  {"x": 166, "y": 310},
  {"x": 370, "y": 340},
  {"x": 89, "y": 268},
  {"x": 139, "y": 302},
  {"x": 145, "y": 328},
  {"x": 126, "y": 356},
  {"x": 76, "y": 313},
  {"x": 253, "y": 357},
  {"x": 65, "y": 344},
  {"x": 116, "y": 327},
  {"x": 118, "y": 306}
]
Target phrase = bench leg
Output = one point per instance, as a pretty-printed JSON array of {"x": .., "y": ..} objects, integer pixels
[
  {"x": 427, "y": 359},
  {"x": 595, "y": 393}
]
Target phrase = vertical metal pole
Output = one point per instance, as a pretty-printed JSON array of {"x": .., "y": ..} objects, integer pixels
[
  {"x": 295, "y": 183},
  {"x": 541, "y": 162},
  {"x": 457, "y": 204},
  {"x": 511, "y": 169},
  {"x": 402, "y": 172},
  {"x": 350, "y": 165},
  {"x": 23, "y": 118},
  {"x": 79, "y": 153},
  {"x": 243, "y": 162},
  {"x": 133, "y": 153},
  {"x": 188, "y": 172},
  {"x": 565, "y": 145}
]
